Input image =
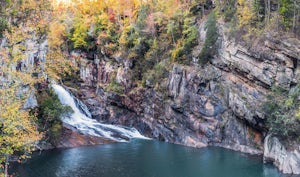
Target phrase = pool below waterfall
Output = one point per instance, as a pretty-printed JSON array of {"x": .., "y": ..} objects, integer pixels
[{"x": 144, "y": 158}]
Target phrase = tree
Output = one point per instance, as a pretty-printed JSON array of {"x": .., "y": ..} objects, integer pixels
[
  {"x": 259, "y": 10},
  {"x": 80, "y": 34},
  {"x": 267, "y": 10},
  {"x": 58, "y": 65},
  {"x": 296, "y": 15},
  {"x": 3, "y": 26},
  {"x": 282, "y": 112},
  {"x": 209, "y": 47},
  {"x": 244, "y": 12},
  {"x": 17, "y": 127},
  {"x": 287, "y": 11},
  {"x": 228, "y": 9},
  {"x": 50, "y": 111}
]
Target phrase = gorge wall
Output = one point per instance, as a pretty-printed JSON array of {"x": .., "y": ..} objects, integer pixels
[{"x": 219, "y": 104}]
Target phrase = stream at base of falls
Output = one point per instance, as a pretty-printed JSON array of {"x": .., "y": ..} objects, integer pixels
[{"x": 144, "y": 158}]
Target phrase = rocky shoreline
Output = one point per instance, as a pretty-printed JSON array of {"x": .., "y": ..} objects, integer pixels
[{"x": 71, "y": 138}]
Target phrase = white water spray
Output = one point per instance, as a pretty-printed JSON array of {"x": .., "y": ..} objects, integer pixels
[{"x": 81, "y": 119}]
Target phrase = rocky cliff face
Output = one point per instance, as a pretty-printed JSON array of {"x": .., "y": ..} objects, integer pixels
[
  {"x": 250, "y": 72},
  {"x": 288, "y": 161},
  {"x": 219, "y": 104},
  {"x": 33, "y": 62},
  {"x": 194, "y": 110}
]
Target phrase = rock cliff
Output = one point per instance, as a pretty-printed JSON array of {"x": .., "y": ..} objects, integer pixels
[
  {"x": 219, "y": 104},
  {"x": 288, "y": 161}
]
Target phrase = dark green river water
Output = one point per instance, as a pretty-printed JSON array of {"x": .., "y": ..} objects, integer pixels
[{"x": 144, "y": 158}]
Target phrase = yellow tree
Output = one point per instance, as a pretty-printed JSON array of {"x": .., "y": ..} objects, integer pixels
[
  {"x": 245, "y": 12},
  {"x": 17, "y": 127},
  {"x": 57, "y": 63}
]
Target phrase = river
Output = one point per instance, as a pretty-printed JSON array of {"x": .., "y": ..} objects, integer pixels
[{"x": 144, "y": 158}]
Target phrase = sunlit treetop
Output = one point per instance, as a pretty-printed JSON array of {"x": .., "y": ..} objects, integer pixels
[
  {"x": 57, "y": 3},
  {"x": 68, "y": 3}
]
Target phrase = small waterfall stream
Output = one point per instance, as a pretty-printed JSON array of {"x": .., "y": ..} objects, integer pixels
[{"x": 81, "y": 120}]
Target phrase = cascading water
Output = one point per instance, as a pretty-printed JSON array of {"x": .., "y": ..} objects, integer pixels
[{"x": 81, "y": 119}]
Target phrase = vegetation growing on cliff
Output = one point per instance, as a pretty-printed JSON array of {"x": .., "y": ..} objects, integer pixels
[
  {"x": 49, "y": 113},
  {"x": 145, "y": 32},
  {"x": 248, "y": 17},
  {"x": 209, "y": 49},
  {"x": 282, "y": 112},
  {"x": 19, "y": 21},
  {"x": 148, "y": 32},
  {"x": 150, "y": 35}
]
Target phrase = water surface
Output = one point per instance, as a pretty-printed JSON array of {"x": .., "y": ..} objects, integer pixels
[{"x": 144, "y": 158}]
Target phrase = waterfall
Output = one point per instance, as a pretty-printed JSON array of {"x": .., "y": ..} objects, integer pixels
[{"x": 81, "y": 120}]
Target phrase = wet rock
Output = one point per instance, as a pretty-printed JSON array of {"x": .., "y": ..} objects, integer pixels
[
  {"x": 72, "y": 138},
  {"x": 194, "y": 142}
]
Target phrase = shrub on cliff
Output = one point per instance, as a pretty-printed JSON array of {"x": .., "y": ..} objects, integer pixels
[
  {"x": 282, "y": 112},
  {"x": 114, "y": 86},
  {"x": 155, "y": 76},
  {"x": 228, "y": 9},
  {"x": 49, "y": 113},
  {"x": 209, "y": 48},
  {"x": 187, "y": 38},
  {"x": 3, "y": 26}
]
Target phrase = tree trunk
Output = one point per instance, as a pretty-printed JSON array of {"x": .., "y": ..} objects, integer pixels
[
  {"x": 257, "y": 11},
  {"x": 173, "y": 39},
  {"x": 297, "y": 19},
  {"x": 277, "y": 18},
  {"x": 294, "y": 17},
  {"x": 267, "y": 10},
  {"x": 6, "y": 165}
]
